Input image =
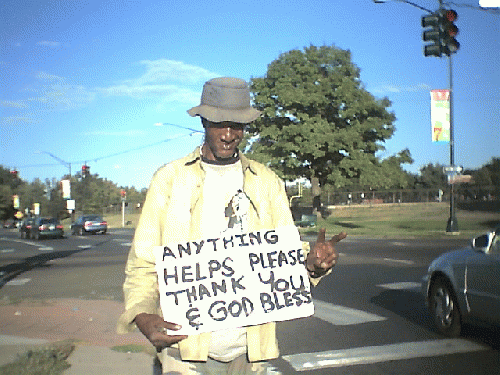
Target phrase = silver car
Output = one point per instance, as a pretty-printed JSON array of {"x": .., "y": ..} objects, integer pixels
[
  {"x": 464, "y": 285},
  {"x": 89, "y": 224}
]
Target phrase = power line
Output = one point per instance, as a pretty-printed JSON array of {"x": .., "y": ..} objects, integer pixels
[{"x": 117, "y": 153}]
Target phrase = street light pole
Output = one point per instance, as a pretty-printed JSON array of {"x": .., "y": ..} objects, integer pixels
[{"x": 452, "y": 225}]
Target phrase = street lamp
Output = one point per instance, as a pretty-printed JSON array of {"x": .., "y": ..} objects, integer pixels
[
  {"x": 402, "y": 1},
  {"x": 65, "y": 163}
]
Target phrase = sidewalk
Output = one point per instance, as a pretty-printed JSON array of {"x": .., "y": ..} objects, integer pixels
[{"x": 91, "y": 323}]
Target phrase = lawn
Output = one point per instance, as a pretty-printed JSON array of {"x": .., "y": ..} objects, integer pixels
[
  {"x": 388, "y": 220},
  {"x": 407, "y": 220}
]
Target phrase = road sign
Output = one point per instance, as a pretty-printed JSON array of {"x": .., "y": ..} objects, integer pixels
[{"x": 452, "y": 169}]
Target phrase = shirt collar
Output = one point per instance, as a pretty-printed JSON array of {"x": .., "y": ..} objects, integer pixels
[{"x": 195, "y": 157}]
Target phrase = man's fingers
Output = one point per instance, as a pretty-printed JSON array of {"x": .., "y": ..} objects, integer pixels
[
  {"x": 321, "y": 236},
  {"x": 338, "y": 237}
]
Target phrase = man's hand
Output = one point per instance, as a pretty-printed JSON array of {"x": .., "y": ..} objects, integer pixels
[
  {"x": 155, "y": 329},
  {"x": 323, "y": 256}
]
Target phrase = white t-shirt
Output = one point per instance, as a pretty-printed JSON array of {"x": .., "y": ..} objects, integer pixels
[{"x": 224, "y": 212}]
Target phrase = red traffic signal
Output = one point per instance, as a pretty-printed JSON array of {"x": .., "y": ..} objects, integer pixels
[
  {"x": 123, "y": 193},
  {"x": 450, "y": 31},
  {"x": 13, "y": 173},
  {"x": 440, "y": 30},
  {"x": 85, "y": 170}
]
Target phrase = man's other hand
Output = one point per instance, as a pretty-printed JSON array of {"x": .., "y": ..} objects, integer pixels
[
  {"x": 155, "y": 329},
  {"x": 323, "y": 255}
]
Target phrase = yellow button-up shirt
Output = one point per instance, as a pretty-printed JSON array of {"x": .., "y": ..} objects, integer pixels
[{"x": 172, "y": 213}]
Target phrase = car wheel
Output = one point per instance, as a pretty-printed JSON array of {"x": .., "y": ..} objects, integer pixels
[
  {"x": 444, "y": 308},
  {"x": 103, "y": 232}
]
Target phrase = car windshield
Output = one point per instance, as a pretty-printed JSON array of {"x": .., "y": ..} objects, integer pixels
[
  {"x": 48, "y": 221},
  {"x": 92, "y": 218}
]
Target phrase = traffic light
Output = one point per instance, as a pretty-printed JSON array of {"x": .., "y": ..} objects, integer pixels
[
  {"x": 85, "y": 170},
  {"x": 450, "y": 31},
  {"x": 123, "y": 193},
  {"x": 432, "y": 33},
  {"x": 13, "y": 173},
  {"x": 440, "y": 30}
]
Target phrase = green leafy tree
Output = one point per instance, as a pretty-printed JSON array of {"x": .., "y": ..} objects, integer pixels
[
  {"x": 432, "y": 176},
  {"x": 319, "y": 122}
]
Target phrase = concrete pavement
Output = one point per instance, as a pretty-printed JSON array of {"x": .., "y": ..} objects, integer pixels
[{"x": 91, "y": 323}]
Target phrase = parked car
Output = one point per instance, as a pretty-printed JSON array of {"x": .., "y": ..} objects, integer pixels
[
  {"x": 89, "y": 224},
  {"x": 9, "y": 224},
  {"x": 25, "y": 227},
  {"x": 46, "y": 227},
  {"x": 464, "y": 285}
]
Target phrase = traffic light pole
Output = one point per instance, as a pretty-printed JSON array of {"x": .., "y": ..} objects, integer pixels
[{"x": 452, "y": 225}]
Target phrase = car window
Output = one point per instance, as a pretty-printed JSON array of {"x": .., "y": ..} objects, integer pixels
[{"x": 495, "y": 245}]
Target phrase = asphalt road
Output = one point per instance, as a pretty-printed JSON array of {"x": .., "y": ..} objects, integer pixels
[{"x": 370, "y": 317}]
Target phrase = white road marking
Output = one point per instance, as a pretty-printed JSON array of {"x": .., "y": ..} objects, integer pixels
[
  {"x": 402, "y": 261},
  {"x": 396, "y": 243},
  {"x": 45, "y": 248},
  {"x": 85, "y": 246},
  {"x": 375, "y": 354},
  {"x": 18, "y": 281},
  {"x": 3, "y": 251},
  {"x": 121, "y": 242},
  {"x": 342, "y": 316},
  {"x": 409, "y": 285}
]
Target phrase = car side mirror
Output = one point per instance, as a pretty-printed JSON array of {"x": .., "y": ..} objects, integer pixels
[{"x": 482, "y": 243}]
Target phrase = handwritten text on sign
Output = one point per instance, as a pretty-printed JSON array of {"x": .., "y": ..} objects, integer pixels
[{"x": 233, "y": 281}]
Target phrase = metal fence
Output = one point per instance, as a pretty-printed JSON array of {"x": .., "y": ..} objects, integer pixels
[{"x": 462, "y": 194}]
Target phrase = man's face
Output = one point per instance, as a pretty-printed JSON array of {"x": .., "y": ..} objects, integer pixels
[{"x": 221, "y": 139}]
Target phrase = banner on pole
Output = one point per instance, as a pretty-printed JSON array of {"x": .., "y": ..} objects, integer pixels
[
  {"x": 233, "y": 281},
  {"x": 66, "y": 189},
  {"x": 440, "y": 115}
]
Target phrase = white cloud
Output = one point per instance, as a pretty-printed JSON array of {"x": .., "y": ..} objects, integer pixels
[
  {"x": 17, "y": 120},
  {"x": 384, "y": 89},
  {"x": 50, "y": 44},
  {"x": 169, "y": 70},
  {"x": 13, "y": 103},
  {"x": 166, "y": 79},
  {"x": 44, "y": 76},
  {"x": 125, "y": 133}
]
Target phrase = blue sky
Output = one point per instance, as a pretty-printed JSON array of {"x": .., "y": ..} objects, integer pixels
[{"x": 88, "y": 80}]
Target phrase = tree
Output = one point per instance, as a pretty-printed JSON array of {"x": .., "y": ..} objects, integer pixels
[
  {"x": 320, "y": 123},
  {"x": 10, "y": 184},
  {"x": 432, "y": 177}
]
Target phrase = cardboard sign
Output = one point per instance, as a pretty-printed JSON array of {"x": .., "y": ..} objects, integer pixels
[{"x": 233, "y": 281}]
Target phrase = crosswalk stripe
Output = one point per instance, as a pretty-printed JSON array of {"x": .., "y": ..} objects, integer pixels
[
  {"x": 409, "y": 285},
  {"x": 18, "y": 281},
  {"x": 342, "y": 316},
  {"x": 383, "y": 353},
  {"x": 45, "y": 248}
]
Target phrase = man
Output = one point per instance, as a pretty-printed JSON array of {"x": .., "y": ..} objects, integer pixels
[{"x": 212, "y": 191}]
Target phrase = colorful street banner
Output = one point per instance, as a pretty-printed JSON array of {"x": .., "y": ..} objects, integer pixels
[
  {"x": 66, "y": 189},
  {"x": 234, "y": 281},
  {"x": 440, "y": 115}
]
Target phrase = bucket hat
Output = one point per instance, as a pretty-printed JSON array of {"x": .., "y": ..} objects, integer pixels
[{"x": 225, "y": 99}]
